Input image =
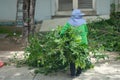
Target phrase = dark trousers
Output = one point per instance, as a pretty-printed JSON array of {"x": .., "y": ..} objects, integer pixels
[{"x": 74, "y": 71}]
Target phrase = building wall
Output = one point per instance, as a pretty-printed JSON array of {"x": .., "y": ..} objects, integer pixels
[
  {"x": 53, "y": 7},
  {"x": 7, "y": 10},
  {"x": 43, "y": 9},
  {"x": 111, "y": 1},
  {"x": 103, "y": 7}
]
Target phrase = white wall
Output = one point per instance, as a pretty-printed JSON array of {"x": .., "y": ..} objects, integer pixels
[
  {"x": 112, "y": 1},
  {"x": 53, "y": 7},
  {"x": 103, "y": 7},
  {"x": 43, "y": 9},
  {"x": 8, "y": 10}
]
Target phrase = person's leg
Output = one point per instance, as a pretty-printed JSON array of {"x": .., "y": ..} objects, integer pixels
[
  {"x": 79, "y": 70},
  {"x": 72, "y": 69}
]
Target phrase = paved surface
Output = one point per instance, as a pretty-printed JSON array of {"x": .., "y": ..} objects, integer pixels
[{"x": 104, "y": 70}]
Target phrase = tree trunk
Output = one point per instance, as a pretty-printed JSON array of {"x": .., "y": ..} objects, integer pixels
[
  {"x": 28, "y": 19},
  {"x": 32, "y": 13}
]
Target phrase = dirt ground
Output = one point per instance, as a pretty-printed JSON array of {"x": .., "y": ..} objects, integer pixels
[{"x": 11, "y": 44}]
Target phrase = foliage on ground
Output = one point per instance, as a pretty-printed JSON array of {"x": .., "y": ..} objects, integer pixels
[
  {"x": 10, "y": 30},
  {"x": 106, "y": 33}
]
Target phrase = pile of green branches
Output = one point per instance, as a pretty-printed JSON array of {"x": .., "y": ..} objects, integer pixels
[{"x": 51, "y": 52}]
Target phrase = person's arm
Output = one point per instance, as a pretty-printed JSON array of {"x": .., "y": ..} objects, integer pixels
[
  {"x": 83, "y": 34},
  {"x": 65, "y": 27},
  {"x": 84, "y": 28}
]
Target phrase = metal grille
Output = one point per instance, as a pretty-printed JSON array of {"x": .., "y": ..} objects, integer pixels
[
  {"x": 65, "y": 5},
  {"x": 83, "y": 4}
]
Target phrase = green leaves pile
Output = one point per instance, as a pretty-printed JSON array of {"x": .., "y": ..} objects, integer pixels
[{"x": 51, "y": 52}]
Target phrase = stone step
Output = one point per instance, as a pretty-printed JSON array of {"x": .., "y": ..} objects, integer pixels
[{"x": 88, "y": 12}]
